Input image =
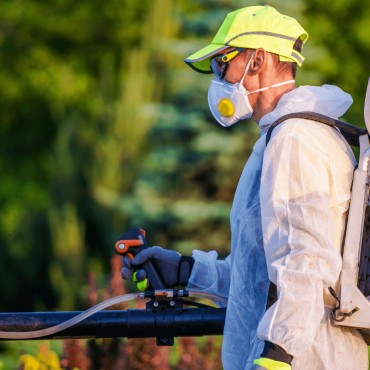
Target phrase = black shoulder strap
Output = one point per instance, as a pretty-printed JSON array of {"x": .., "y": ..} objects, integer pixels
[{"x": 351, "y": 133}]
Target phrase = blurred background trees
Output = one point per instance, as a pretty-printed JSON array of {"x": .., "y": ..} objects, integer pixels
[{"x": 103, "y": 127}]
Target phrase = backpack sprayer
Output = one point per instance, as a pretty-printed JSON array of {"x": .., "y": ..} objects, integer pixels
[{"x": 354, "y": 295}]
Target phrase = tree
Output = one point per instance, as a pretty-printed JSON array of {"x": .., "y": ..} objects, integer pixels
[{"x": 104, "y": 127}]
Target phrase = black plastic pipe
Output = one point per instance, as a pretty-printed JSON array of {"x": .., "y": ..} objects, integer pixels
[{"x": 132, "y": 323}]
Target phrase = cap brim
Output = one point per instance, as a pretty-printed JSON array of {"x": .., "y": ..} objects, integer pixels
[{"x": 200, "y": 60}]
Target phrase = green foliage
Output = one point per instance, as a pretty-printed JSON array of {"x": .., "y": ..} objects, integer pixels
[
  {"x": 341, "y": 48},
  {"x": 62, "y": 78},
  {"x": 103, "y": 127}
]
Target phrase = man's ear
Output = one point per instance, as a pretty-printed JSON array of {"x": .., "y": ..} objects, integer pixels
[{"x": 258, "y": 60}]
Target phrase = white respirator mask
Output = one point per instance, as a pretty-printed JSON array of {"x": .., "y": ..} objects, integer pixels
[{"x": 229, "y": 103}]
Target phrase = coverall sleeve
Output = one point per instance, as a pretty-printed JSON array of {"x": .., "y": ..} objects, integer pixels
[
  {"x": 299, "y": 239},
  {"x": 210, "y": 274}
]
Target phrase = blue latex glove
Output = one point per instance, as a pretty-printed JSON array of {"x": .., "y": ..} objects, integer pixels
[{"x": 174, "y": 269}]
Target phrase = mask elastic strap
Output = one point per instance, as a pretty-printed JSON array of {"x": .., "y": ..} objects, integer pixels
[
  {"x": 246, "y": 70},
  {"x": 263, "y": 88},
  {"x": 274, "y": 85}
]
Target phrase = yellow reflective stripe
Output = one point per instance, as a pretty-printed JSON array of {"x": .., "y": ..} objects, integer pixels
[
  {"x": 297, "y": 56},
  {"x": 269, "y": 364},
  {"x": 263, "y": 34}
]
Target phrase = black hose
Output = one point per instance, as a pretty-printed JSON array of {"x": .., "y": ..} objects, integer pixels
[{"x": 133, "y": 323}]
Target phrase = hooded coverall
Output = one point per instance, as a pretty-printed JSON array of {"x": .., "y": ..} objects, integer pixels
[{"x": 287, "y": 225}]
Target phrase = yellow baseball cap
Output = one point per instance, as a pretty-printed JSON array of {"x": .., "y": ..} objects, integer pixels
[{"x": 253, "y": 27}]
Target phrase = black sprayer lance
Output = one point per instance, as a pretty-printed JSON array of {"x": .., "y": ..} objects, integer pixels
[{"x": 164, "y": 318}]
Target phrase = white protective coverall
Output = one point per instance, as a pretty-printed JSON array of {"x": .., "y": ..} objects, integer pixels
[{"x": 289, "y": 210}]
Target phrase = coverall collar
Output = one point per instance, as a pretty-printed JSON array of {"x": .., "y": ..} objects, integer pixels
[{"x": 326, "y": 99}]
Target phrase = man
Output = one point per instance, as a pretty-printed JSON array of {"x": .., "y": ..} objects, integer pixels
[{"x": 288, "y": 214}]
